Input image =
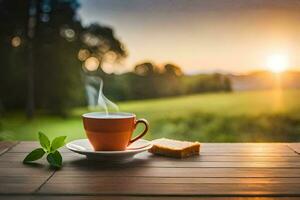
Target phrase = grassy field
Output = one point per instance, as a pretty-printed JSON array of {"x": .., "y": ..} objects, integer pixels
[{"x": 255, "y": 116}]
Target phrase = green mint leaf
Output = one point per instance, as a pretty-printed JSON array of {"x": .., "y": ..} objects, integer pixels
[
  {"x": 58, "y": 142},
  {"x": 34, "y": 155},
  {"x": 44, "y": 141},
  {"x": 55, "y": 159}
]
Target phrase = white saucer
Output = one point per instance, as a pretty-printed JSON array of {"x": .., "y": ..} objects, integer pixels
[{"x": 84, "y": 147}]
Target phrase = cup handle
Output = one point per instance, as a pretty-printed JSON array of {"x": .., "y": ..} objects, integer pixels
[{"x": 143, "y": 121}]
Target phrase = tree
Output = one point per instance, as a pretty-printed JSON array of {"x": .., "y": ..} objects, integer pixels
[
  {"x": 43, "y": 41},
  {"x": 154, "y": 81},
  {"x": 172, "y": 80}
]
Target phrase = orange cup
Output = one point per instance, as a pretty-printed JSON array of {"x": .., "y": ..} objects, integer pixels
[{"x": 112, "y": 132}]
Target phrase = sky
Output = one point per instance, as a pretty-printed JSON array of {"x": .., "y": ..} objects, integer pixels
[{"x": 236, "y": 36}]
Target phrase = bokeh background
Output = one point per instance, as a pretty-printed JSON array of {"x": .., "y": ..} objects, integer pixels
[{"x": 212, "y": 71}]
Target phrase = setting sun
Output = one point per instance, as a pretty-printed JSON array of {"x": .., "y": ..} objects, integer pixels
[{"x": 277, "y": 63}]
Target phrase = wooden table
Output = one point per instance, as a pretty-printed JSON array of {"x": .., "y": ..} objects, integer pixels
[{"x": 222, "y": 171}]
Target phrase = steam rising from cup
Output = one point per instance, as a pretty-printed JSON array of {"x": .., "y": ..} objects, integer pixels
[
  {"x": 96, "y": 98},
  {"x": 104, "y": 102}
]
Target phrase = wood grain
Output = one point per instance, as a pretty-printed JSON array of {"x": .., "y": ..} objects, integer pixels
[
  {"x": 27, "y": 146},
  {"x": 214, "y": 189},
  {"x": 104, "y": 197},
  {"x": 6, "y": 145},
  {"x": 73, "y": 160},
  {"x": 295, "y": 147},
  {"x": 147, "y": 157},
  {"x": 16, "y": 177},
  {"x": 180, "y": 172},
  {"x": 222, "y": 171},
  {"x": 206, "y": 148},
  {"x": 154, "y": 180}
]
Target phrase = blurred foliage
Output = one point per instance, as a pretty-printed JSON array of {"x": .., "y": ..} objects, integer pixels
[
  {"x": 44, "y": 66},
  {"x": 217, "y": 128},
  {"x": 151, "y": 81}
]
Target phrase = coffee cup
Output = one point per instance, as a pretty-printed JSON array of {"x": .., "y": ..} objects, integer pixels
[{"x": 113, "y": 131}]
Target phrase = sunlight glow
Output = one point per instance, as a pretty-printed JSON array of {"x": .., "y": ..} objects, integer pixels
[
  {"x": 83, "y": 54},
  {"x": 277, "y": 63},
  {"x": 16, "y": 41},
  {"x": 91, "y": 64},
  {"x": 108, "y": 67}
]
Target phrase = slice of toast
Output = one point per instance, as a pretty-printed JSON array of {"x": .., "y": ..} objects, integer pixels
[{"x": 174, "y": 148}]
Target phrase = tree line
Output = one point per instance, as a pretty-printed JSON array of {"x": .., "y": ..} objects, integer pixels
[{"x": 148, "y": 80}]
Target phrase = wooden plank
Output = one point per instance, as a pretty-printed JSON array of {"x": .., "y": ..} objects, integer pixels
[
  {"x": 104, "y": 197},
  {"x": 233, "y": 147},
  {"x": 291, "y": 153},
  {"x": 185, "y": 164},
  {"x": 27, "y": 146},
  {"x": 148, "y": 157},
  {"x": 270, "y": 149},
  {"x": 23, "y": 180},
  {"x": 32, "y": 170},
  {"x": 245, "y": 148},
  {"x": 295, "y": 147},
  {"x": 74, "y": 160},
  {"x": 223, "y": 169},
  {"x": 16, "y": 197},
  {"x": 148, "y": 160},
  {"x": 230, "y": 144},
  {"x": 6, "y": 145},
  {"x": 173, "y": 164},
  {"x": 128, "y": 188},
  {"x": 25, "y": 186},
  {"x": 206, "y": 149},
  {"x": 154, "y": 180},
  {"x": 179, "y": 172},
  {"x": 17, "y": 177},
  {"x": 221, "y": 158}
]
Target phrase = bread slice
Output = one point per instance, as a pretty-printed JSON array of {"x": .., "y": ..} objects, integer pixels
[{"x": 174, "y": 148}]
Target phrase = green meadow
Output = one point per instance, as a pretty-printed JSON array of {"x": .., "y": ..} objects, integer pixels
[{"x": 253, "y": 116}]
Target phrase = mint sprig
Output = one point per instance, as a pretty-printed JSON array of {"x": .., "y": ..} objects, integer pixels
[
  {"x": 54, "y": 158},
  {"x": 44, "y": 141},
  {"x": 34, "y": 155}
]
